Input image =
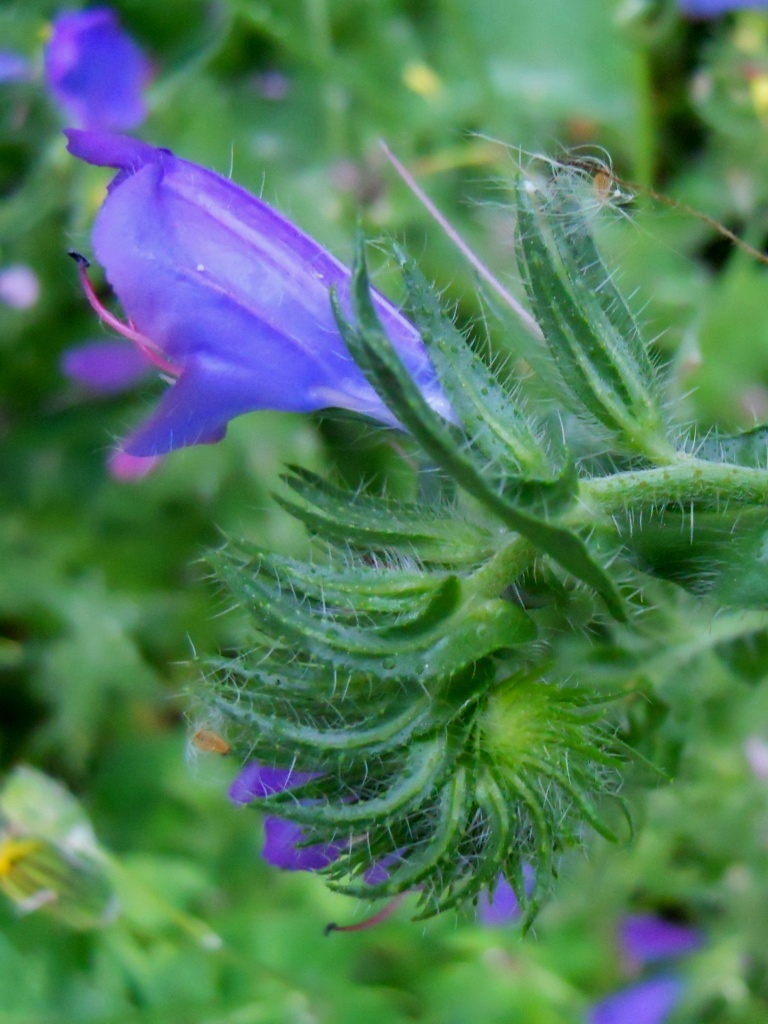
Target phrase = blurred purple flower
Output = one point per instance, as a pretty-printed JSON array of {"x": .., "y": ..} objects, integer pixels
[
  {"x": 95, "y": 72},
  {"x": 500, "y": 906},
  {"x": 282, "y": 847},
  {"x": 228, "y": 297},
  {"x": 105, "y": 366},
  {"x": 756, "y": 753},
  {"x": 646, "y": 938},
  {"x": 19, "y": 286},
  {"x": 14, "y": 67},
  {"x": 714, "y": 8},
  {"x": 649, "y": 1002},
  {"x": 256, "y": 780},
  {"x": 282, "y": 839}
]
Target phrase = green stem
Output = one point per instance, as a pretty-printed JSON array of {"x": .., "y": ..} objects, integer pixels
[
  {"x": 503, "y": 569},
  {"x": 686, "y": 482}
]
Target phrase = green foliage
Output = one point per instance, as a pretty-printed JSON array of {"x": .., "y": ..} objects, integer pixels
[{"x": 103, "y": 599}]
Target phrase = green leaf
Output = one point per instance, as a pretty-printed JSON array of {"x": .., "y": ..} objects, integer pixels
[
  {"x": 749, "y": 448},
  {"x": 723, "y": 554}
]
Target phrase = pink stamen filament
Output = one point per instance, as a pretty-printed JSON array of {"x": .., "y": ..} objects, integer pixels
[
  {"x": 369, "y": 922},
  {"x": 146, "y": 347}
]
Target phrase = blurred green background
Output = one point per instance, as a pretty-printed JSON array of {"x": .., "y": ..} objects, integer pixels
[{"x": 104, "y": 601}]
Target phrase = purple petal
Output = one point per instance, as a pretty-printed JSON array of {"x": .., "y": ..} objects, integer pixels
[
  {"x": 105, "y": 366},
  {"x": 95, "y": 72},
  {"x": 499, "y": 907},
  {"x": 233, "y": 295},
  {"x": 646, "y": 938},
  {"x": 650, "y": 1002},
  {"x": 378, "y": 872},
  {"x": 257, "y": 780},
  {"x": 107, "y": 150},
  {"x": 282, "y": 850},
  {"x": 14, "y": 67}
]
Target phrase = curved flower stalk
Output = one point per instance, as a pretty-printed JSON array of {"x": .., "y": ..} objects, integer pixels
[
  {"x": 95, "y": 72},
  {"x": 435, "y": 672},
  {"x": 228, "y": 298}
]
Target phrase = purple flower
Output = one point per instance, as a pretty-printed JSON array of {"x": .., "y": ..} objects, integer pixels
[
  {"x": 646, "y": 938},
  {"x": 282, "y": 839},
  {"x": 714, "y": 8},
  {"x": 227, "y": 297},
  {"x": 649, "y": 1002},
  {"x": 257, "y": 780},
  {"x": 282, "y": 847},
  {"x": 105, "y": 366},
  {"x": 500, "y": 906},
  {"x": 19, "y": 286},
  {"x": 14, "y": 67},
  {"x": 95, "y": 72}
]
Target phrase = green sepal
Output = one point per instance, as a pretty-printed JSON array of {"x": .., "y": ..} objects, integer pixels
[
  {"x": 398, "y": 594},
  {"x": 292, "y": 715},
  {"x": 420, "y": 772},
  {"x": 392, "y": 728},
  {"x": 594, "y": 288},
  {"x": 596, "y": 362},
  {"x": 375, "y": 355},
  {"x": 383, "y": 524},
  {"x": 447, "y": 643},
  {"x": 531, "y": 466},
  {"x": 452, "y": 809}
]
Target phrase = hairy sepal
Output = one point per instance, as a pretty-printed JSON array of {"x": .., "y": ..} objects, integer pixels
[
  {"x": 375, "y": 355},
  {"x": 599, "y": 355}
]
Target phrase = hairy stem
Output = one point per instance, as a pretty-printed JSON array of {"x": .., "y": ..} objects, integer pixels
[{"x": 686, "y": 482}]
